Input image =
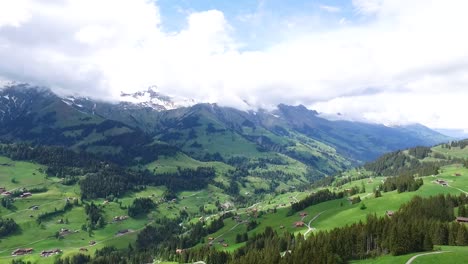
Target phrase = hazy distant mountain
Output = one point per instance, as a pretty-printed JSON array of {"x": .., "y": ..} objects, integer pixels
[{"x": 455, "y": 133}]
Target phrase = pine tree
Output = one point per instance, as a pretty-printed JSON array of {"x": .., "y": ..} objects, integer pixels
[
  {"x": 462, "y": 211},
  {"x": 427, "y": 244},
  {"x": 377, "y": 193},
  {"x": 462, "y": 236}
]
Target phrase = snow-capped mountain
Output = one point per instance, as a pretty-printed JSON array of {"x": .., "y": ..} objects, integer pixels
[
  {"x": 149, "y": 98},
  {"x": 156, "y": 100}
]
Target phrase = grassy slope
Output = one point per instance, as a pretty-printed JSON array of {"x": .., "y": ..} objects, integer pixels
[
  {"x": 338, "y": 213},
  {"x": 41, "y": 237},
  {"x": 333, "y": 213}
]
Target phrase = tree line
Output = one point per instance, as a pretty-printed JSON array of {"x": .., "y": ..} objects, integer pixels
[
  {"x": 402, "y": 183},
  {"x": 316, "y": 198}
]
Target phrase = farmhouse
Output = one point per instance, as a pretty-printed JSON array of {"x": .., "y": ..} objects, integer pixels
[
  {"x": 299, "y": 224},
  {"x": 225, "y": 245},
  {"x": 83, "y": 249},
  {"x": 389, "y": 213},
  {"x": 22, "y": 251},
  {"x": 92, "y": 243},
  {"x": 34, "y": 207},
  {"x": 6, "y": 193},
  {"x": 120, "y": 218},
  {"x": 26, "y": 194},
  {"x": 179, "y": 251},
  {"x": 122, "y": 232},
  {"x": 47, "y": 253},
  {"x": 462, "y": 219},
  {"x": 303, "y": 214},
  {"x": 64, "y": 231},
  {"x": 441, "y": 182}
]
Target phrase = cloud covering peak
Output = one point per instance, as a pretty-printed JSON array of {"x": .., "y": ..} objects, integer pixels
[{"x": 389, "y": 61}]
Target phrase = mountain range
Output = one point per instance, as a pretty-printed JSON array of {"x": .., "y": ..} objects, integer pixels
[{"x": 144, "y": 125}]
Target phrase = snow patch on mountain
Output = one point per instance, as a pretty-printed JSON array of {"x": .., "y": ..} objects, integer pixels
[{"x": 156, "y": 100}]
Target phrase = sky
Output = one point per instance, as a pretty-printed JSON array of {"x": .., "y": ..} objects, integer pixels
[{"x": 394, "y": 62}]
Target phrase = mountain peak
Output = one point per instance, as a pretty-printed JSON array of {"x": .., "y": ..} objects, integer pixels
[{"x": 152, "y": 98}]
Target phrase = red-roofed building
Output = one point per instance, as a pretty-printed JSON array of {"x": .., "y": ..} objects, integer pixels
[{"x": 299, "y": 224}]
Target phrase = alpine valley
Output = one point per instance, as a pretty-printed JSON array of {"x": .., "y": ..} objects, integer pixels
[{"x": 151, "y": 178}]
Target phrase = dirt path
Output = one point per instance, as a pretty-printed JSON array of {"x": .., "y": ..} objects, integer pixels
[
  {"x": 193, "y": 194},
  {"x": 310, "y": 229},
  {"x": 227, "y": 231},
  {"x": 419, "y": 255},
  {"x": 457, "y": 189}
]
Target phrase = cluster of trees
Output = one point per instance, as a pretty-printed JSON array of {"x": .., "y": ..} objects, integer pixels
[
  {"x": 112, "y": 180},
  {"x": 398, "y": 163},
  {"x": 460, "y": 144},
  {"x": 50, "y": 155},
  {"x": 7, "y": 226},
  {"x": 7, "y": 202},
  {"x": 402, "y": 183},
  {"x": 420, "y": 152},
  {"x": 241, "y": 237},
  {"x": 340, "y": 180},
  {"x": 243, "y": 162},
  {"x": 95, "y": 216},
  {"x": 316, "y": 198},
  {"x": 185, "y": 179},
  {"x": 167, "y": 235},
  {"x": 141, "y": 206}
]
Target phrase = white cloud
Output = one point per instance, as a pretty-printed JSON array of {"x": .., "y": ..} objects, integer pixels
[
  {"x": 368, "y": 7},
  {"x": 329, "y": 8},
  {"x": 407, "y": 62}
]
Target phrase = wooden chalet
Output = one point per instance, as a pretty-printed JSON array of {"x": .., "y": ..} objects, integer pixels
[
  {"x": 26, "y": 194},
  {"x": 64, "y": 231},
  {"x": 47, "y": 253},
  {"x": 120, "y": 218},
  {"x": 299, "y": 224},
  {"x": 123, "y": 232},
  {"x": 22, "y": 251}
]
